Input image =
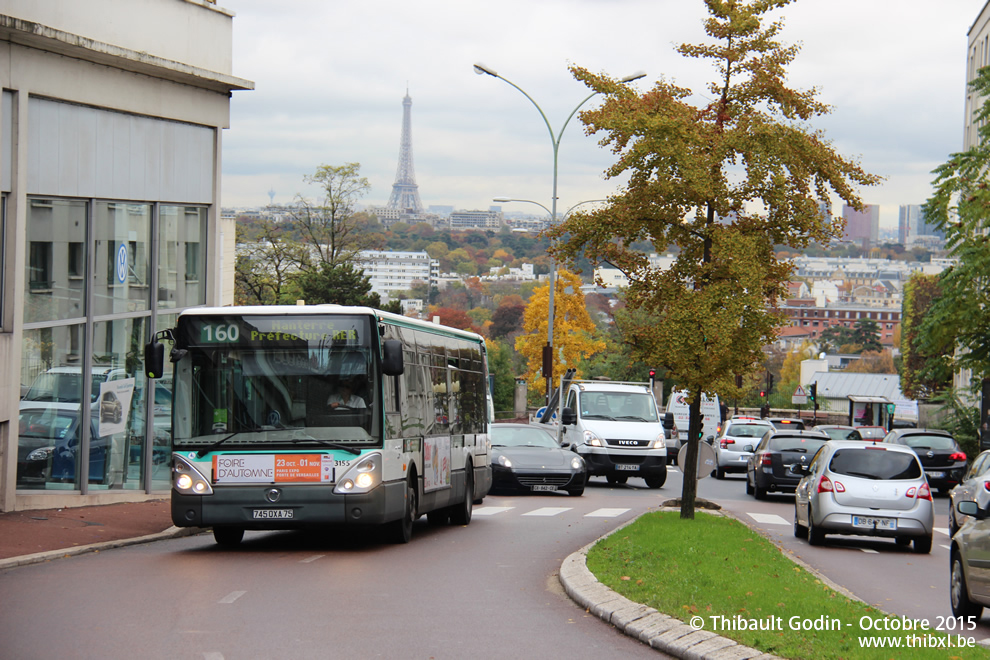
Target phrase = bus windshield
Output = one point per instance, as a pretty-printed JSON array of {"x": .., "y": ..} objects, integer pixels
[{"x": 264, "y": 382}]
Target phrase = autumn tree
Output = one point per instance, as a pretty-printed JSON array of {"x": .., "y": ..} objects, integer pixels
[
  {"x": 329, "y": 223},
  {"x": 960, "y": 207},
  {"x": 925, "y": 370},
  {"x": 573, "y": 330},
  {"x": 264, "y": 265},
  {"x": 723, "y": 181},
  {"x": 872, "y": 362}
]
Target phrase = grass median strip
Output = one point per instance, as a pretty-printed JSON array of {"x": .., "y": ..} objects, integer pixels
[{"x": 726, "y": 578}]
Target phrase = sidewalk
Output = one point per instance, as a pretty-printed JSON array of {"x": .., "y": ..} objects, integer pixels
[{"x": 28, "y": 536}]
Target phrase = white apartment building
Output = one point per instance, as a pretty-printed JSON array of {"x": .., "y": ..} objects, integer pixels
[
  {"x": 392, "y": 272},
  {"x": 111, "y": 120},
  {"x": 476, "y": 220}
]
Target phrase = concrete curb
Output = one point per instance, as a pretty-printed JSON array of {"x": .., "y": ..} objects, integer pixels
[
  {"x": 39, "y": 557},
  {"x": 661, "y": 631}
]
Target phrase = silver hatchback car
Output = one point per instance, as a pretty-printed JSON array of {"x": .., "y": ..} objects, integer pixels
[
  {"x": 864, "y": 489},
  {"x": 736, "y": 442}
]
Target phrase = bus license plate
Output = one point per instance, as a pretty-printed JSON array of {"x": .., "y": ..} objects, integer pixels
[
  {"x": 870, "y": 522},
  {"x": 273, "y": 513},
  {"x": 626, "y": 466},
  {"x": 545, "y": 487}
]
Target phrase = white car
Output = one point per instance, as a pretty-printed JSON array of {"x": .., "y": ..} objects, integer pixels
[
  {"x": 864, "y": 489},
  {"x": 735, "y": 443}
]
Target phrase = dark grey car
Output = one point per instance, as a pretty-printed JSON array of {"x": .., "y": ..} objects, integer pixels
[
  {"x": 942, "y": 458},
  {"x": 768, "y": 469}
]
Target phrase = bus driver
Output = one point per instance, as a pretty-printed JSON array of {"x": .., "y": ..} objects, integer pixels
[{"x": 345, "y": 398}]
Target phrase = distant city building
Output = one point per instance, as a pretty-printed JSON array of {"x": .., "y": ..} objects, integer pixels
[
  {"x": 862, "y": 227},
  {"x": 440, "y": 209},
  {"x": 392, "y": 272},
  {"x": 812, "y": 319},
  {"x": 913, "y": 229},
  {"x": 476, "y": 220}
]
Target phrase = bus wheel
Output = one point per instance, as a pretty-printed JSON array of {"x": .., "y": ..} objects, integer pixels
[
  {"x": 228, "y": 536},
  {"x": 400, "y": 531},
  {"x": 461, "y": 515}
]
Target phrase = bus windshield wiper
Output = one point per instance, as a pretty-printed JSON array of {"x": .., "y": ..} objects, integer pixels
[
  {"x": 328, "y": 443},
  {"x": 203, "y": 452}
]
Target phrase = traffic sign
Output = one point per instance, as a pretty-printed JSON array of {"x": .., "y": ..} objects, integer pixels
[{"x": 799, "y": 396}]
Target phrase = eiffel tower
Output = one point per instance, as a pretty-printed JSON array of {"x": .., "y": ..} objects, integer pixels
[{"x": 405, "y": 192}]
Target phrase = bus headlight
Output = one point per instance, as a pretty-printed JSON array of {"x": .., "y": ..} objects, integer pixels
[
  {"x": 187, "y": 479},
  {"x": 360, "y": 477}
]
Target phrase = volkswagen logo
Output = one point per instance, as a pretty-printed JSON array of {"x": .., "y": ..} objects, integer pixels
[{"x": 273, "y": 495}]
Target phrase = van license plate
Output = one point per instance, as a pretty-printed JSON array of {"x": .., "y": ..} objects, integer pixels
[
  {"x": 545, "y": 487},
  {"x": 869, "y": 522},
  {"x": 273, "y": 513},
  {"x": 626, "y": 466}
]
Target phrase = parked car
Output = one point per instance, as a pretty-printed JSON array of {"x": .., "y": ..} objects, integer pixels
[
  {"x": 872, "y": 432},
  {"x": 840, "y": 431},
  {"x": 735, "y": 443},
  {"x": 864, "y": 489},
  {"x": 50, "y": 437},
  {"x": 969, "y": 571},
  {"x": 942, "y": 458},
  {"x": 768, "y": 469},
  {"x": 976, "y": 479},
  {"x": 785, "y": 423},
  {"x": 527, "y": 458}
]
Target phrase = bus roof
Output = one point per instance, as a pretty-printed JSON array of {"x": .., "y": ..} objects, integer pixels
[{"x": 297, "y": 310}]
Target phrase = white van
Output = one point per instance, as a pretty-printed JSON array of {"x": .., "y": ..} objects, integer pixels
[
  {"x": 616, "y": 428},
  {"x": 710, "y": 418}
]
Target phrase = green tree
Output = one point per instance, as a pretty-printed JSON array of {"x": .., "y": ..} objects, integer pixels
[
  {"x": 329, "y": 223},
  {"x": 724, "y": 182},
  {"x": 263, "y": 267},
  {"x": 960, "y": 207},
  {"x": 573, "y": 331},
  {"x": 923, "y": 373},
  {"x": 339, "y": 285}
]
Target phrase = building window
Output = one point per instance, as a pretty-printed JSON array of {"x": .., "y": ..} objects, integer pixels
[{"x": 54, "y": 227}]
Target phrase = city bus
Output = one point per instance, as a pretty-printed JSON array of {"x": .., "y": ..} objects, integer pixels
[{"x": 263, "y": 439}]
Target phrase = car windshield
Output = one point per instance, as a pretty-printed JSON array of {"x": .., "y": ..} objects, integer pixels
[
  {"x": 747, "y": 430},
  {"x": 929, "y": 442},
  {"x": 521, "y": 437},
  {"x": 875, "y": 463},
  {"x": 840, "y": 433},
  {"x": 62, "y": 387},
  {"x": 803, "y": 445}
]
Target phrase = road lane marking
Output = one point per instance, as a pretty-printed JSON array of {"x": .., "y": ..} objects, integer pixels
[
  {"x": 870, "y": 551},
  {"x": 768, "y": 518},
  {"x": 942, "y": 530},
  {"x": 492, "y": 510},
  {"x": 309, "y": 559},
  {"x": 548, "y": 511},
  {"x": 945, "y": 546},
  {"x": 231, "y": 597},
  {"x": 212, "y": 655},
  {"x": 605, "y": 513}
]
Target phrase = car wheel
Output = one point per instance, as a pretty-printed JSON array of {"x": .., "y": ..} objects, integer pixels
[
  {"x": 656, "y": 480},
  {"x": 759, "y": 493},
  {"x": 816, "y": 536},
  {"x": 749, "y": 486},
  {"x": 800, "y": 531},
  {"x": 576, "y": 492},
  {"x": 719, "y": 473},
  {"x": 400, "y": 531},
  {"x": 228, "y": 536},
  {"x": 922, "y": 545},
  {"x": 962, "y": 606},
  {"x": 461, "y": 515}
]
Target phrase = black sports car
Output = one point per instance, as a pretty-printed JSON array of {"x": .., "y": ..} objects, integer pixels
[{"x": 527, "y": 458}]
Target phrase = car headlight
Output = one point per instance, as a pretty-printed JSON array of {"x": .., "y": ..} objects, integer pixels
[
  {"x": 187, "y": 479},
  {"x": 40, "y": 454},
  {"x": 577, "y": 463},
  {"x": 504, "y": 461},
  {"x": 660, "y": 442},
  {"x": 361, "y": 477},
  {"x": 592, "y": 440}
]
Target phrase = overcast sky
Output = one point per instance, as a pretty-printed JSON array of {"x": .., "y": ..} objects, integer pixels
[{"x": 330, "y": 78}]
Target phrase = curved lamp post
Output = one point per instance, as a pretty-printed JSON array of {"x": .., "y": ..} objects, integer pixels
[{"x": 481, "y": 69}]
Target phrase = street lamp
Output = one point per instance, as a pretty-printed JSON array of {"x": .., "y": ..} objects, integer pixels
[{"x": 481, "y": 69}]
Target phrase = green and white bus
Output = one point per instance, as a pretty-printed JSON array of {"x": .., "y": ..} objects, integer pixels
[{"x": 262, "y": 439}]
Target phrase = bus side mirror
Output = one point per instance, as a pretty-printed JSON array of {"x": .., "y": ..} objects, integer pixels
[
  {"x": 392, "y": 364},
  {"x": 154, "y": 359}
]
